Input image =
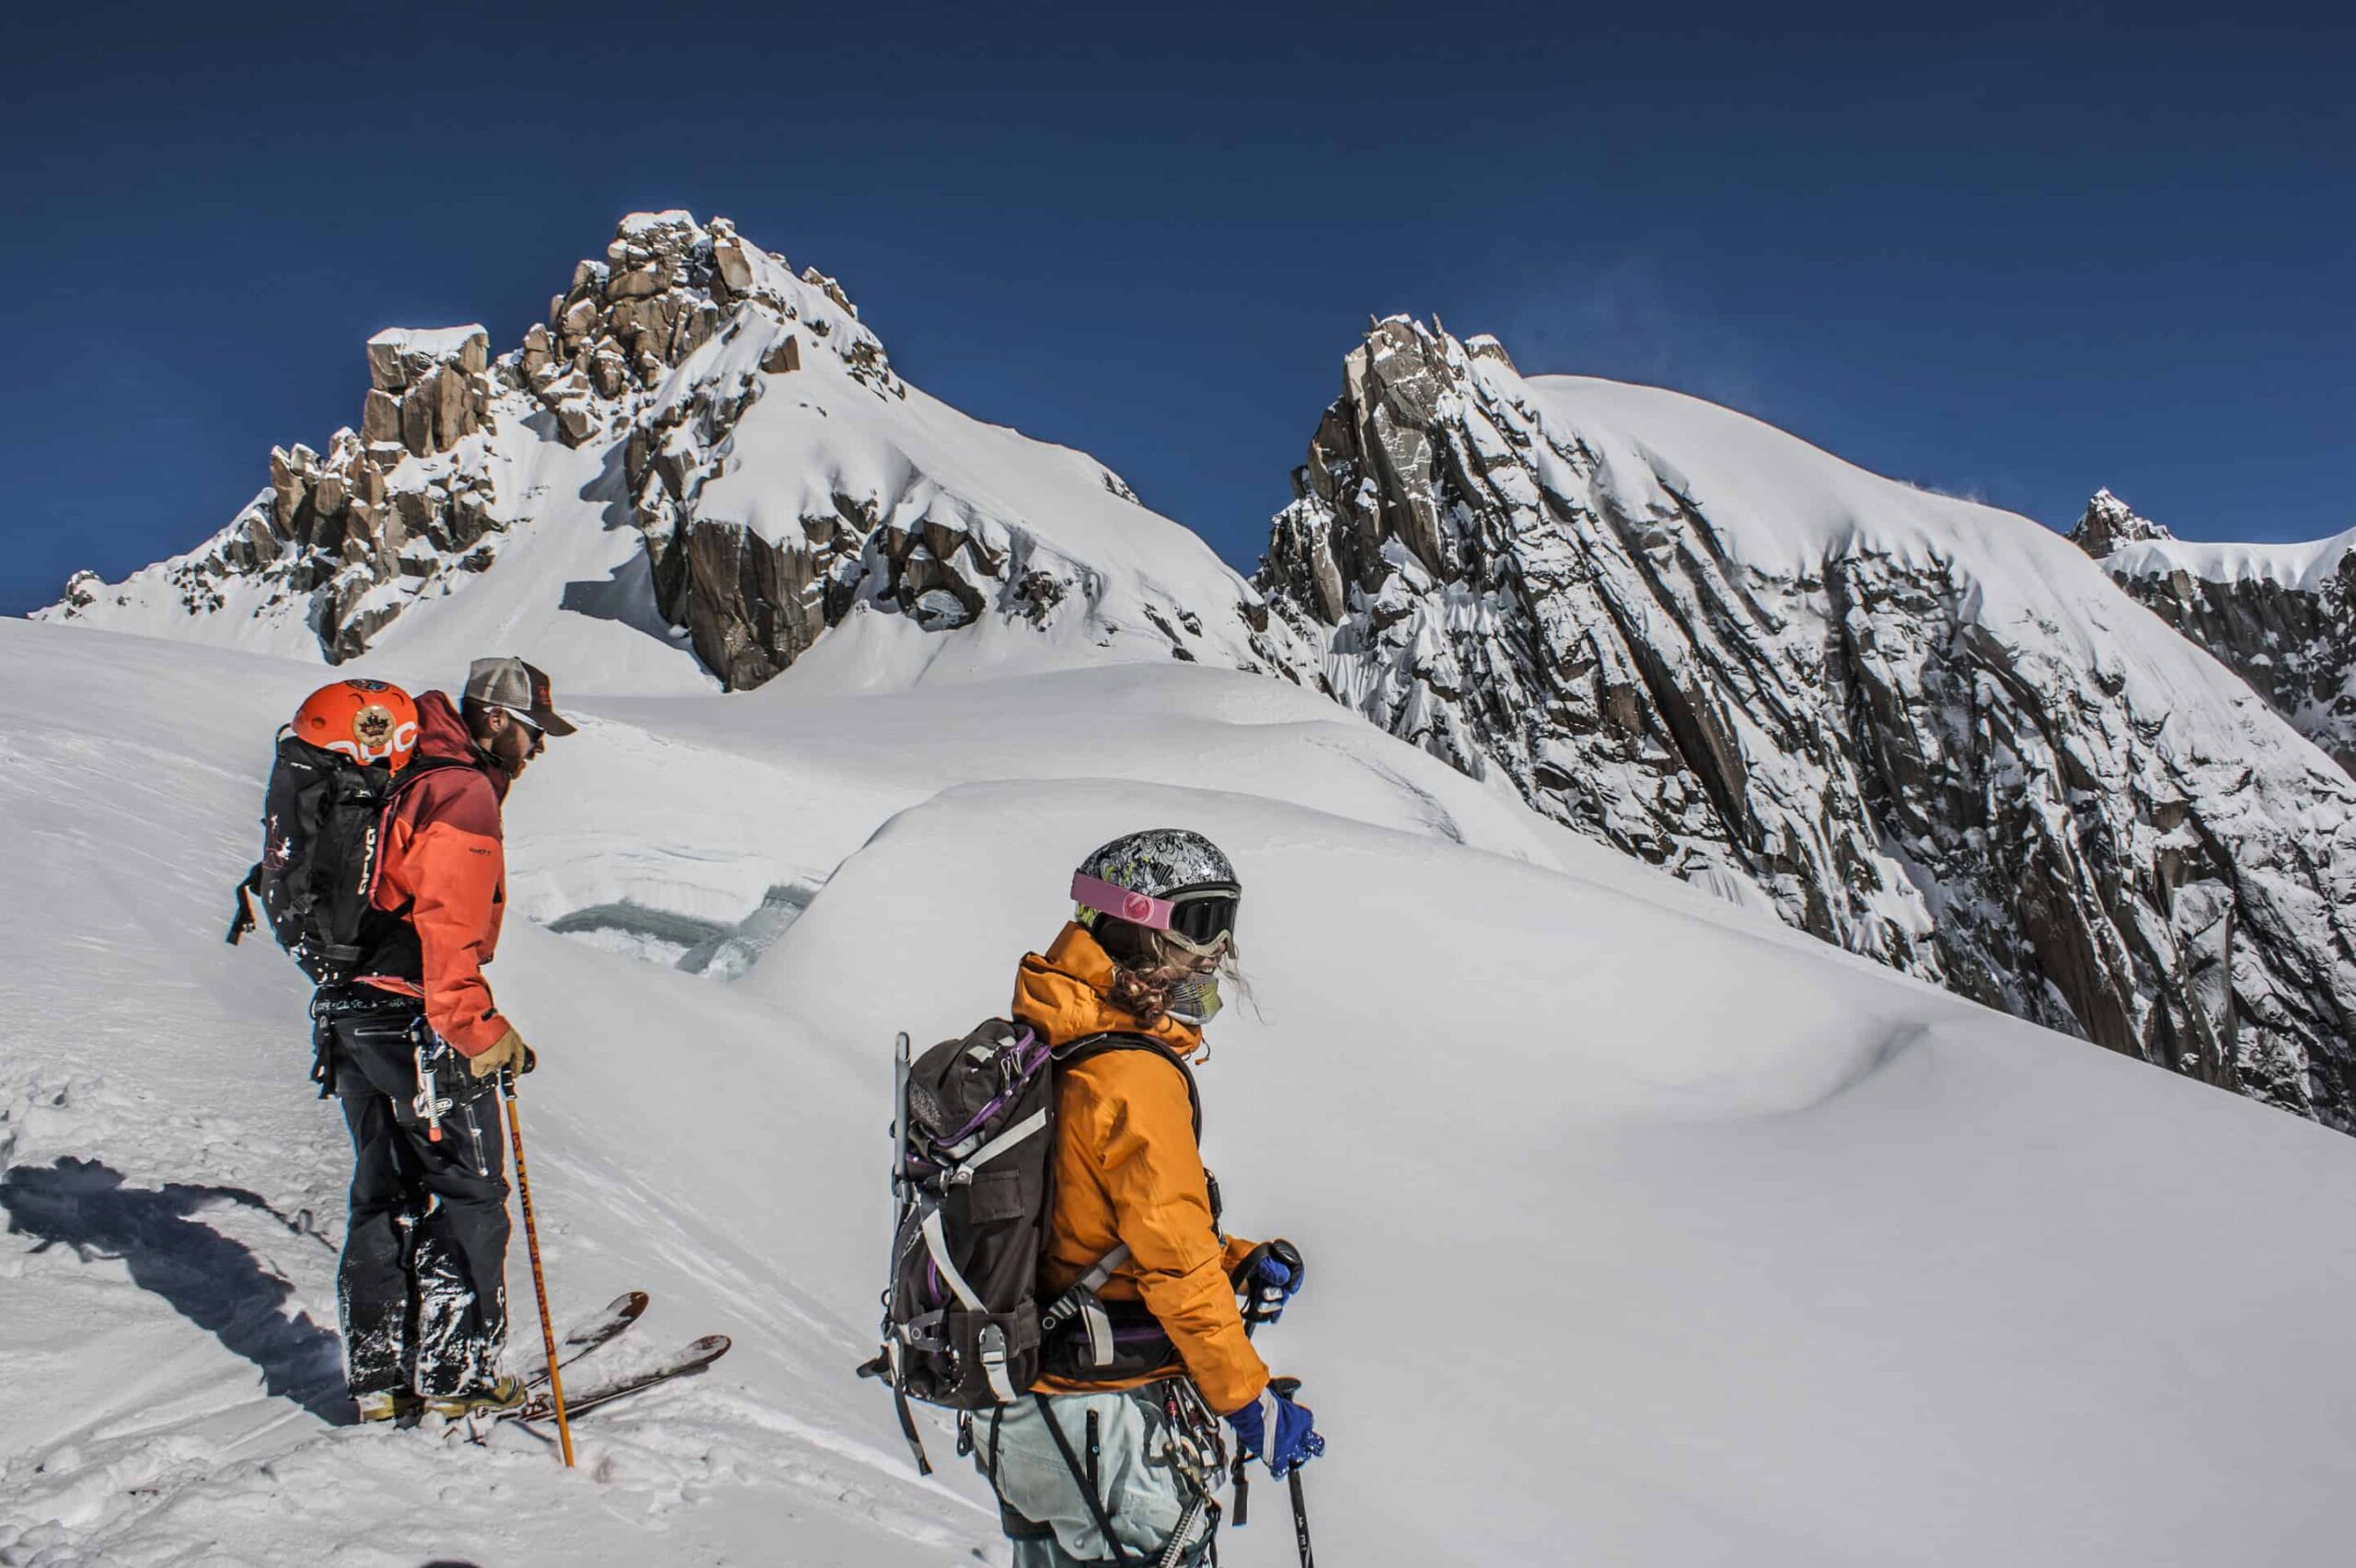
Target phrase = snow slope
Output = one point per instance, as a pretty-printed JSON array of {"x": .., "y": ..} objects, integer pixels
[{"x": 1641, "y": 1231}]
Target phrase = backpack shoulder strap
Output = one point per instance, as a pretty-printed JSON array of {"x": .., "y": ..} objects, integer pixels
[
  {"x": 422, "y": 768},
  {"x": 416, "y": 771},
  {"x": 1080, "y": 1050}
]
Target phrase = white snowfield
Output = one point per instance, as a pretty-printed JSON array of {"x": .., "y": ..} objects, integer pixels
[{"x": 1641, "y": 1231}]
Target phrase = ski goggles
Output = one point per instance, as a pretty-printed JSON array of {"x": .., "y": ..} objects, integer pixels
[{"x": 1200, "y": 919}]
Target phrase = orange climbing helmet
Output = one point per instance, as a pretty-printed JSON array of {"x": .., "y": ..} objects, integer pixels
[{"x": 368, "y": 722}]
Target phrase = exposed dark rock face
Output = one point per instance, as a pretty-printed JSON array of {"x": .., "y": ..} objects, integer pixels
[
  {"x": 352, "y": 535},
  {"x": 2283, "y": 617},
  {"x": 649, "y": 366},
  {"x": 355, "y": 538},
  {"x": 2110, "y": 522},
  {"x": 1931, "y": 757}
]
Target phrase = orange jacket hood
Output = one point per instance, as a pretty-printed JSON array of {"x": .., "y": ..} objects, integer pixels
[
  {"x": 442, "y": 868},
  {"x": 443, "y": 737},
  {"x": 1066, "y": 997}
]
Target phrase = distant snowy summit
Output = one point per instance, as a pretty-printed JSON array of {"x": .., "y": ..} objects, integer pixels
[
  {"x": 742, "y": 435},
  {"x": 1933, "y": 733},
  {"x": 1927, "y": 731},
  {"x": 2283, "y": 615}
]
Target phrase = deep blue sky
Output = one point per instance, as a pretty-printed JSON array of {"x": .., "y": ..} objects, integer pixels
[{"x": 2015, "y": 260}]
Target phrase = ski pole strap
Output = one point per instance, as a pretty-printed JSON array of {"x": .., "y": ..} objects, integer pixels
[{"x": 1080, "y": 1479}]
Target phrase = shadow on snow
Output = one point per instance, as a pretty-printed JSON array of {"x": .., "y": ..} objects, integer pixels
[{"x": 209, "y": 1279}]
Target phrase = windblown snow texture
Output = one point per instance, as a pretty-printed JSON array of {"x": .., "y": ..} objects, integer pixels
[{"x": 1926, "y": 731}]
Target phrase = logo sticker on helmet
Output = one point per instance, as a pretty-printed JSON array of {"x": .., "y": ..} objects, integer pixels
[{"x": 372, "y": 727}]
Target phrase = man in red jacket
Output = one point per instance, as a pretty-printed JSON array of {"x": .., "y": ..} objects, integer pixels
[{"x": 412, "y": 1048}]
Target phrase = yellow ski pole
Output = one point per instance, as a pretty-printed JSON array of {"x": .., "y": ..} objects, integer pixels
[{"x": 532, "y": 1245}]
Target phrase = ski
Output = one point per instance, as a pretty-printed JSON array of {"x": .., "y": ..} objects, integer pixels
[
  {"x": 685, "y": 1363},
  {"x": 590, "y": 1333}
]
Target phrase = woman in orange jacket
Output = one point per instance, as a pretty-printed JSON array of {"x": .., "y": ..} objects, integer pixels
[{"x": 1107, "y": 1462}]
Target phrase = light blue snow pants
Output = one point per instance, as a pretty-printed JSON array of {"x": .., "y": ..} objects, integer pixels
[{"x": 1045, "y": 1512}]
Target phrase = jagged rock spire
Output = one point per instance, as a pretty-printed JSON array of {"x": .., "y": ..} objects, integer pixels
[
  {"x": 2110, "y": 523},
  {"x": 391, "y": 514},
  {"x": 691, "y": 400}
]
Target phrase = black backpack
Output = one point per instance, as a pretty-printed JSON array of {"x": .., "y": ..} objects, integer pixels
[
  {"x": 323, "y": 822},
  {"x": 974, "y": 1139}
]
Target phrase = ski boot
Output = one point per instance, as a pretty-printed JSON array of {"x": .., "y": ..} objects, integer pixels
[
  {"x": 495, "y": 1397},
  {"x": 385, "y": 1404}
]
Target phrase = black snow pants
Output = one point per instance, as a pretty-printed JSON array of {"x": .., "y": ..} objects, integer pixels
[{"x": 422, "y": 1291}]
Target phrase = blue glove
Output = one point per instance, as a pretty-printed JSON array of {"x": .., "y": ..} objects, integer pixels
[
  {"x": 1267, "y": 1279},
  {"x": 1273, "y": 1428}
]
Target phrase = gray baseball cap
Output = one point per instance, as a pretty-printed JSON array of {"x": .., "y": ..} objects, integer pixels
[{"x": 520, "y": 689}]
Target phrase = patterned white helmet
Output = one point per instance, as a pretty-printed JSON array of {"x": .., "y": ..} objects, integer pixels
[{"x": 1170, "y": 880}]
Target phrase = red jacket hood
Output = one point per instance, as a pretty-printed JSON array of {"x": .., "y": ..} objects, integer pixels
[{"x": 442, "y": 737}]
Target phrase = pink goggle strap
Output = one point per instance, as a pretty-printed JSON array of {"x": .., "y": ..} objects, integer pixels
[{"x": 1136, "y": 909}]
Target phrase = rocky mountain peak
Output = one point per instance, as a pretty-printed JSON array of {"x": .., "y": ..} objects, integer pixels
[
  {"x": 1920, "y": 728},
  {"x": 706, "y": 447},
  {"x": 2110, "y": 523},
  {"x": 1907, "y": 724},
  {"x": 344, "y": 541},
  {"x": 666, "y": 288}
]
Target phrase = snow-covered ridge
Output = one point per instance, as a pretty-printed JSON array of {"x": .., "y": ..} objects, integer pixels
[
  {"x": 2283, "y": 616},
  {"x": 2307, "y": 567},
  {"x": 1927, "y": 730},
  {"x": 710, "y": 462}
]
